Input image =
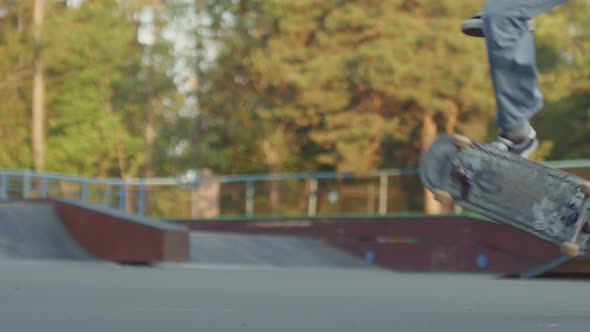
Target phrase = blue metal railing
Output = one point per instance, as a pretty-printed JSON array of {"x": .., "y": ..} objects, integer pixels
[{"x": 26, "y": 184}]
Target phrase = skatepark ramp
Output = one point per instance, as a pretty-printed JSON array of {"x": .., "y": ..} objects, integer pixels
[
  {"x": 117, "y": 236},
  {"x": 30, "y": 231},
  {"x": 268, "y": 250},
  {"x": 72, "y": 230}
]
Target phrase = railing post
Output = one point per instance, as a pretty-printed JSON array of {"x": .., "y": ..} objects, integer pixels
[
  {"x": 26, "y": 185},
  {"x": 122, "y": 196},
  {"x": 313, "y": 198},
  {"x": 4, "y": 187},
  {"x": 44, "y": 187},
  {"x": 107, "y": 195},
  {"x": 383, "y": 194},
  {"x": 84, "y": 190},
  {"x": 193, "y": 200},
  {"x": 141, "y": 199},
  {"x": 249, "y": 198}
]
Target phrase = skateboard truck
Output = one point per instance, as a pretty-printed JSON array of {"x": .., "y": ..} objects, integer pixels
[
  {"x": 571, "y": 248},
  {"x": 466, "y": 175},
  {"x": 573, "y": 215}
]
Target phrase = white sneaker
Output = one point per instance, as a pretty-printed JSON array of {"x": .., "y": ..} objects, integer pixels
[{"x": 523, "y": 149}]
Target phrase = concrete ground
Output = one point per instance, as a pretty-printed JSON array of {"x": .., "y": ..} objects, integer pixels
[{"x": 87, "y": 296}]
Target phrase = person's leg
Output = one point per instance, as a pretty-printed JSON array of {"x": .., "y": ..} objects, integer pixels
[{"x": 512, "y": 60}]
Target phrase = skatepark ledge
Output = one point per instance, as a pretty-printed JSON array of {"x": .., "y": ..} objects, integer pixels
[{"x": 103, "y": 232}]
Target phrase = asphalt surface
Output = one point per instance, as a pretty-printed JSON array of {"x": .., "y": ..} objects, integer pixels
[
  {"x": 74, "y": 296},
  {"x": 252, "y": 284}
]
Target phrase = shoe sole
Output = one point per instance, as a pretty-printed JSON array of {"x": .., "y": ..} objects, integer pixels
[
  {"x": 529, "y": 151},
  {"x": 473, "y": 27}
]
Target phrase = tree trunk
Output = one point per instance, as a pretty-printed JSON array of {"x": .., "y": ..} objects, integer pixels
[
  {"x": 451, "y": 113},
  {"x": 149, "y": 139},
  {"x": 272, "y": 160},
  {"x": 121, "y": 159},
  {"x": 150, "y": 126},
  {"x": 150, "y": 131},
  {"x": 431, "y": 206},
  {"x": 119, "y": 147},
  {"x": 20, "y": 19},
  {"x": 38, "y": 106},
  {"x": 275, "y": 200}
]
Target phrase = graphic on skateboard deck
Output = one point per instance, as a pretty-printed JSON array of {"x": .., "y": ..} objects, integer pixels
[{"x": 543, "y": 201}]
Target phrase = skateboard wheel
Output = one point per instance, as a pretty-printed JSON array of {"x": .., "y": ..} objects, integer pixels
[
  {"x": 461, "y": 141},
  {"x": 443, "y": 197},
  {"x": 586, "y": 188},
  {"x": 570, "y": 249}
]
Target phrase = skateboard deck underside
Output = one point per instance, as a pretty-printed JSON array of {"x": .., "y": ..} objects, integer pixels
[{"x": 509, "y": 189}]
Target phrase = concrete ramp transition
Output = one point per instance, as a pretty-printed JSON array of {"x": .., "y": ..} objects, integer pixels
[
  {"x": 35, "y": 231},
  {"x": 269, "y": 250},
  {"x": 72, "y": 230}
]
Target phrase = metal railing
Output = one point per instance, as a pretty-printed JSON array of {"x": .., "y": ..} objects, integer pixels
[{"x": 295, "y": 194}]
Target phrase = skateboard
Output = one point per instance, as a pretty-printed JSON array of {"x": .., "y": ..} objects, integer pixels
[{"x": 545, "y": 202}]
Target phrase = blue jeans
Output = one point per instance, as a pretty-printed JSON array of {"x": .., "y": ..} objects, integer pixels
[{"x": 512, "y": 60}]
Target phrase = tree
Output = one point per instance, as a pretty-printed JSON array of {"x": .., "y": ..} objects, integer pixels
[
  {"x": 563, "y": 39},
  {"x": 92, "y": 53},
  {"x": 38, "y": 130},
  {"x": 15, "y": 85},
  {"x": 334, "y": 82}
]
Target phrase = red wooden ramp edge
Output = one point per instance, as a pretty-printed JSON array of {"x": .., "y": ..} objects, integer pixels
[
  {"x": 119, "y": 237},
  {"x": 418, "y": 243}
]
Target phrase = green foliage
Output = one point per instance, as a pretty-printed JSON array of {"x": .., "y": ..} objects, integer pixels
[
  {"x": 88, "y": 51},
  {"x": 271, "y": 86},
  {"x": 332, "y": 81},
  {"x": 564, "y": 42},
  {"x": 97, "y": 82},
  {"x": 15, "y": 80}
]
